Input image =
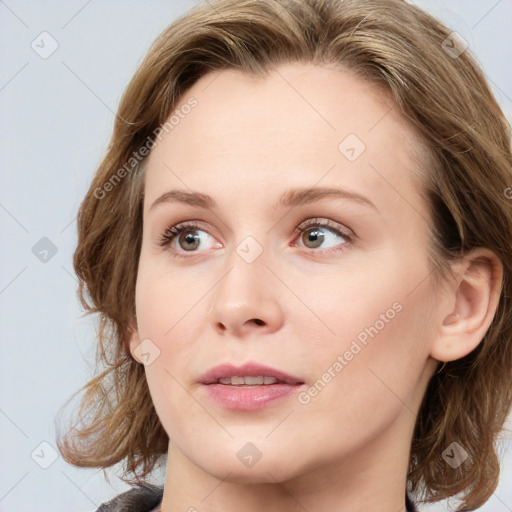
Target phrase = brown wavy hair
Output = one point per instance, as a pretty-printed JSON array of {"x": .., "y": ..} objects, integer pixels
[{"x": 446, "y": 98}]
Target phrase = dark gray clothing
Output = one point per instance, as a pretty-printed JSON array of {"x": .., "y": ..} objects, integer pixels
[{"x": 145, "y": 497}]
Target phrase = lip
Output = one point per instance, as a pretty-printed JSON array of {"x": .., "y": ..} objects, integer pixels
[
  {"x": 247, "y": 370},
  {"x": 248, "y": 397}
]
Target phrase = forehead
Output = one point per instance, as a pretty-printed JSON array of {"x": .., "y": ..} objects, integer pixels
[{"x": 299, "y": 124}]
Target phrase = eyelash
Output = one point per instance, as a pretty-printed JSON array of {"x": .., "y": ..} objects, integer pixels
[{"x": 173, "y": 232}]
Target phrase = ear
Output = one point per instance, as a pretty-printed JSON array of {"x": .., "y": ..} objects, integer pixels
[
  {"x": 134, "y": 341},
  {"x": 472, "y": 299}
]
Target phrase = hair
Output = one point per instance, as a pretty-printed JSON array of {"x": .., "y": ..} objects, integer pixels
[{"x": 447, "y": 100}]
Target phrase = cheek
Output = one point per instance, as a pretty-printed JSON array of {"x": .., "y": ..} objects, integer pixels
[
  {"x": 361, "y": 388},
  {"x": 169, "y": 308},
  {"x": 382, "y": 325},
  {"x": 364, "y": 302},
  {"x": 169, "y": 313},
  {"x": 378, "y": 356}
]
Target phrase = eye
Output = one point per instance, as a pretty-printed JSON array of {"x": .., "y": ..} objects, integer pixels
[
  {"x": 324, "y": 234},
  {"x": 313, "y": 234},
  {"x": 187, "y": 236}
]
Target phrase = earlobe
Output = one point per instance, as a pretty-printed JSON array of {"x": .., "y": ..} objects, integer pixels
[
  {"x": 472, "y": 301},
  {"x": 134, "y": 342}
]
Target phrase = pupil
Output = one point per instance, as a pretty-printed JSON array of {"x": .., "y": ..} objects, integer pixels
[
  {"x": 192, "y": 239},
  {"x": 314, "y": 237}
]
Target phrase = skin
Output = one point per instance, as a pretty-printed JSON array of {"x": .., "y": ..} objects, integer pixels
[{"x": 296, "y": 307}]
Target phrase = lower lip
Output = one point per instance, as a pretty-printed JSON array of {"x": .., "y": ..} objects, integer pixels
[{"x": 248, "y": 398}]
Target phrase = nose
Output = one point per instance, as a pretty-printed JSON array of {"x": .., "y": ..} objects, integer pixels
[{"x": 246, "y": 300}]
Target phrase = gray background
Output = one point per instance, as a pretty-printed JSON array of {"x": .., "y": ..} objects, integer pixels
[{"x": 57, "y": 115}]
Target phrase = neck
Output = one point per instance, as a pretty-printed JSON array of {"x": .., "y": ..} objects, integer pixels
[{"x": 372, "y": 477}]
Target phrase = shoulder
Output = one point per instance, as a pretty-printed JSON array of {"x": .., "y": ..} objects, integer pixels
[
  {"x": 141, "y": 498},
  {"x": 145, "y": 497}
]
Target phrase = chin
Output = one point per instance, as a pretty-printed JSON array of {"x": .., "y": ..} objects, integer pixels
[
  {"x": 269, "y": 468},
  {"x": 264, "y": 474}
]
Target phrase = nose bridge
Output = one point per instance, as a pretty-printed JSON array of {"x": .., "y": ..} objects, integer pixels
[
  {"x": 245, "y": 299},
  {"x": 246, "y": 262}
]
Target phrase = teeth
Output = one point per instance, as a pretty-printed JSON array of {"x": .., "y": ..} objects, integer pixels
[
  {"x": 252, "y": 381},
  {"x": 247, "y": 381}
]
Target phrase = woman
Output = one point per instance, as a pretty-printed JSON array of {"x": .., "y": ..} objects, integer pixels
[{"x": 298, "y": 243}]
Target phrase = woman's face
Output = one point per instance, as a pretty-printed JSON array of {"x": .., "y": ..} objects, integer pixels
[{"x": 304, "y": 260}]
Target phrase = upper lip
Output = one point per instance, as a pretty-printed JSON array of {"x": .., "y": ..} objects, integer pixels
[{"x": 247, "y": 370}]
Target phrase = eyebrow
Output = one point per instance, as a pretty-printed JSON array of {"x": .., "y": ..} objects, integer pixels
[{"x": 290, "y": 198}]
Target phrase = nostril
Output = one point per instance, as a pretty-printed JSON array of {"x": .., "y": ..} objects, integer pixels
[{"x": 259, "y": 322}]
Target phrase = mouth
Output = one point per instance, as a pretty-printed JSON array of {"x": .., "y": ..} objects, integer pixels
[
  {"x": 251, "y": 386},
  {"x": 249, "y": 381},
  {"x": 250, "y": 374}
]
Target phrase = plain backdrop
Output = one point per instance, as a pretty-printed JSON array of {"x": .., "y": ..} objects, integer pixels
[{"x": 64, "y": 67}]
